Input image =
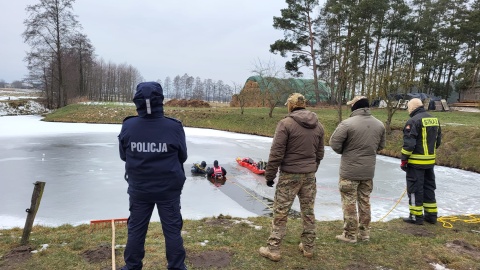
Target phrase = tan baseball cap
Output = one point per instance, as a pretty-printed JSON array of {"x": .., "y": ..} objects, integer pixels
[{"x": 355, "y": 99}]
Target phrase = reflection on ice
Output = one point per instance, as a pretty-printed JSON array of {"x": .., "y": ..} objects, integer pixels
[{"x": 84, "y": 177}]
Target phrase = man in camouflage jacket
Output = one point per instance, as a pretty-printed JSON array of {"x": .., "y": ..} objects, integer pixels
[{"x": 296, "y": 151}]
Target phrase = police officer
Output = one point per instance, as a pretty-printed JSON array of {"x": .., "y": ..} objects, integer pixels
[
  {"x": 297, "y": 149},
  {"x": 154, "y": 149},
  {"x": 421, "y": 137}
]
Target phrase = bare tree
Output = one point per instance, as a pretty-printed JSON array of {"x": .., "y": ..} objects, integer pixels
[
  {"x": 208, "y": 89},
  {"x": 189, "y": 82},
  {"x": 240, "y": 97},
  {"x": 183, "y": 85},
  {"x": 198, "y": 91},
  {"x": 79, "y": 59},
  {"x": 177, "y": 87},
  {"x": 219, "y": 90},
  {"x": 167, "y": 87},
  {"x": 17, "y": 84},
  {"x": 49, "y": 27},
  {"x": 272, "y": 82},
  {"x": 227, "y": 93}
]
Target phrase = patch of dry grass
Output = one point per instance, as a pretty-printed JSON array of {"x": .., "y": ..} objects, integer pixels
[{"x": 393, "y": 245}]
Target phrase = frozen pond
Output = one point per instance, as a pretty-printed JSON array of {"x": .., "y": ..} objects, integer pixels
[{"x": 84, "y": 177}]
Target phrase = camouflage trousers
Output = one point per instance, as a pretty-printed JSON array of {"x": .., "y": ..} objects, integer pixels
[
  {"x": 289, "y": 186},
  {"x": 356, "y": 194}
]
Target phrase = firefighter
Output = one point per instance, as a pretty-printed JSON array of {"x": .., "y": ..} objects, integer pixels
[{"x": 421, "y": 137}]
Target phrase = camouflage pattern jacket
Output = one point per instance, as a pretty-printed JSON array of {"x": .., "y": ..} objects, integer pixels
[
  {"x": 358, "y": 139},
  {"x": 297, "y": 146}
]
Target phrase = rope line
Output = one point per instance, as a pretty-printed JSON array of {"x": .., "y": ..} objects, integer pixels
[
  {"x": 447, "y": 220},
  {"x": 398, "y": 201}
]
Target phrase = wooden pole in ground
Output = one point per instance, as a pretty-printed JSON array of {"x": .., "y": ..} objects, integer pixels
[
  {"x": 113, "y": 245},
  {"x": 32, "y": 211}
]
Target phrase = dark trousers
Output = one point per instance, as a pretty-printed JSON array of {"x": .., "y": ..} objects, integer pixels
[
  {"x": 421, "y": 191},
  {"x": 171, "y": 220}
]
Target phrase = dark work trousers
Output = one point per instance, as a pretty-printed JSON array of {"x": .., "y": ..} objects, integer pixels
[
  {"x": 420, "y": 187},
  {"x": 171, "y": 219}
]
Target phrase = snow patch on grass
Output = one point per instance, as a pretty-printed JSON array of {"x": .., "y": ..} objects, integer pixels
[{"x": 30, "y": 108}]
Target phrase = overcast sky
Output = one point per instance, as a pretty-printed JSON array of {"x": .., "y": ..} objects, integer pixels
[{"x": 211, "y": 39}]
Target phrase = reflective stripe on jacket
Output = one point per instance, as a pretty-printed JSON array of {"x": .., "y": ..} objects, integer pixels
[{"x": 422, "y": 135}]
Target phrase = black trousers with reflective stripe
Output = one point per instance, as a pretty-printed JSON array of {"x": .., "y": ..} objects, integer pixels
[{"x": 421, "y": 187}]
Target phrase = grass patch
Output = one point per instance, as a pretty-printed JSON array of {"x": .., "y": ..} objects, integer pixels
[{"x": 232, "y": 243}]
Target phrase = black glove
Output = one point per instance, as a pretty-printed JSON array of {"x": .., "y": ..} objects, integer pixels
[
  {"x": 403, "y": 165},
  {"x": 270, "y": 183}
]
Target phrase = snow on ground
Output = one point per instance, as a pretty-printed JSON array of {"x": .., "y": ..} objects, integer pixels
[
  {"x": 27, "y": 126},
  {"x": 30, "y": 125},
  {"x": 31, "y": 107}
]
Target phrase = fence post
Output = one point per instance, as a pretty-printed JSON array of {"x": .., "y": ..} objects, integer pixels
[{"x": 32, "y": 211}]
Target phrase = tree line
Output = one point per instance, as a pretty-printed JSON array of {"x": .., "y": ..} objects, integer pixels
[
  {"x": 62, "y": 62},
  {"x": 379, "y": 47},
  {"x": 189, "y": 87},
  {"x": 14, "y": 84},
  {"x": 370, "y": 47}
]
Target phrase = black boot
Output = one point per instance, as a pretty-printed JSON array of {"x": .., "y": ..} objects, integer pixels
[
  {"x": 413, "y": 219},
  {"x": 432, "y": 219}
]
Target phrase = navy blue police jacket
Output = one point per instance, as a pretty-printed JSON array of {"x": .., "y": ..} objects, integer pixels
[{"x": 154, "y": 150}]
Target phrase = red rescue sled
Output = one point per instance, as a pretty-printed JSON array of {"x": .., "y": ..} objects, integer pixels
[{"x": 251, "y": 167}]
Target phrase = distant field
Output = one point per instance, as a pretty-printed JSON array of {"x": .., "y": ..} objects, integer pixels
[{"x": 14, "y": 92}]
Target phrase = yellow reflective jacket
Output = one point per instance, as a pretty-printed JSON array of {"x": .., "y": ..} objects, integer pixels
[{"x": 422, "y": 135}]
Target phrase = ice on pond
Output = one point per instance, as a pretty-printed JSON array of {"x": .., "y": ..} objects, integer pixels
[{"x": 84, "y": 177}]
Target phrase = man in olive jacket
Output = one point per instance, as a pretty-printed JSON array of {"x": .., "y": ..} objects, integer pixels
[
  {"x": 357, "y": 139},
  {"x": 297, "y": 149}
]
